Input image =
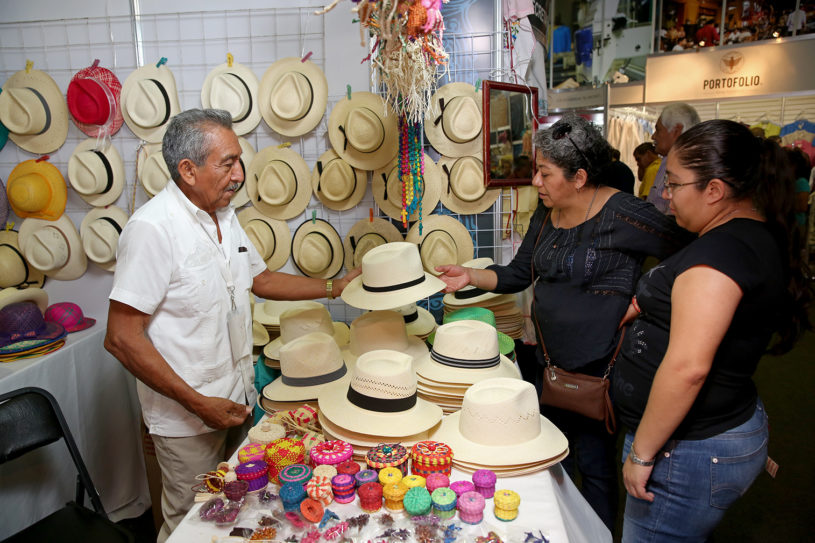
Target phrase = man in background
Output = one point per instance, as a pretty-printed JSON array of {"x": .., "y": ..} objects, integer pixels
[
  {"x": 648, "y": 163},
  {"x": 674, "y": 120}
]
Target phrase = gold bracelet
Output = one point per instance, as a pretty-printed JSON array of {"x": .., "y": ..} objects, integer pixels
[{"x": 329, "y": 289}]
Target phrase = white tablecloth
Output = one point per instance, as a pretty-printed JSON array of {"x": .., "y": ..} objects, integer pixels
[{"x": 98, "y": 397}]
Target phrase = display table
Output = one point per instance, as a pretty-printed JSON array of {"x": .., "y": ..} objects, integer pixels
[
  {"x": 98, "y": 397},
  {"x": 550, "y": 503}
]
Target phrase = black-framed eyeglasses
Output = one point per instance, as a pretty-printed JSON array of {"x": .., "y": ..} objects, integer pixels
[
  {"x": 562, "y": 131},
  {"x": 669, "y": 187}
]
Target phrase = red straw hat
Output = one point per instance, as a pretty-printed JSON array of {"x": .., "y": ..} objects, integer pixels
[
  {"x": 94, "y": 100},
  {"x": 69, "y": 315}
]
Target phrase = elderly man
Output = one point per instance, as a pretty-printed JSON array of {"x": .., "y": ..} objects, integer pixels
[
  {"x": 179, "y": 317},
  {"x": 673, "y": 121}
]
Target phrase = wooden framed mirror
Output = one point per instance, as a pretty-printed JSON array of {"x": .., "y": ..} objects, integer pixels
[{"x": 510, "y": 120}]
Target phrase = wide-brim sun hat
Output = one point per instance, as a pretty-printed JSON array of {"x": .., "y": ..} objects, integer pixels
[
  {"x": 293, "y": 96},
  {"x": 465, "y": 352},
  {"x": 378, "y": 330},
  {"x": 36, "y": 189},
  {"x": 271, "y": 238},
  {"x": 100, "y": 230},
  {"x": 233, "y": 87},
  {"x": 453, "y": 122},
  {"x": 15, "y": 271},
  {"x": 444, "y": 240},
  {"x": 387, "y": 189},
  {"x": 152, "y": 170},
  {"x": 268, "y": 312},
  {"x": 316, "y": 249},
  {"x": 505, "y": 343},
  {"x": 364, "y": 131},
  {"x": 471, "y": 295},
  {"x": 418, "y": 320},
  {"x": 94, "y": 101},
  {"x": 463, "y": 189},
  {"x": 241, "y": 197},
  {"x": 10, "y": 296},
  {"x": 337, "y": 184},
  {"x": 97, "y": 175},
  {"x": 500, "y": 424},
  {"x": 149, "y": 101},
  {"x": 392, "y": 275},
  {"x": 305, "y": 318},
  {"x": 361, "y": 441},
  {"x": 366, "y": 234},
  {"x": 380, "y": 398},
  {"x": 34, "y": 110},
  {"x": 278, "y": 183},
  {"x": 260, "y": 336},
  {"x": 53, "y": 247}
]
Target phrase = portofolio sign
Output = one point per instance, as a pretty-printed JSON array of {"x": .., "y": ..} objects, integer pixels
[{"x": 764, "y": 68}]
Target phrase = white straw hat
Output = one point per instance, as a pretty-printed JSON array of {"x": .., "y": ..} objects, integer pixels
[
  {"x": 378, "y": 330},
  {"x": 35, "y": 112},
  {"x": 418, "y": 320},
  {"x": 53, "y": 247},
  {"x": 444, "y": 240},
  {"x": 380, "y": 398},
  {"x": 233, "y": 87},
  {"x": 15, "y": 271},
  {"x": 306, "y": 318},
  {"x": 278, "y": 183},
  {"x": 149, "y": 101},
  {"x": 364, "y": 131},
  {"x": 470, "y": 295},
  {"x": 271, "y": 238},
  {"x": 337, "y": 184},
  {"x": 152, "y": 170},
  {"x": 293, "y": 96},
  {"x": 100, "y": 231},
  {"x": 241, "y": 197},
  {"x": 97, "y": 175},
  {"x": 366, "y": 234},
  {"x": 392, "y": 275},
  {"x": 453, "y": 122},
  {"x": 316, "y": 249},
  {"x": 10, "y": 296},
  {"x": 307, "y": 364},
  {"x": 463, "y": 189},
  {"x": 387, "y": 189}
]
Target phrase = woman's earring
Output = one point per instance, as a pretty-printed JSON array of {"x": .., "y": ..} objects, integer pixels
[{"x": 579, "y": 189}]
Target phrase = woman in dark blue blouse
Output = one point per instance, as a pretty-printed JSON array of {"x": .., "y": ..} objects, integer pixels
[{"x": 584, "y": 251}]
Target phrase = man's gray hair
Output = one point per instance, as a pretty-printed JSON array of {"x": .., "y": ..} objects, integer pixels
[
  {"x": 679, "y": 113},
  {"x": 188, "y": 136}
]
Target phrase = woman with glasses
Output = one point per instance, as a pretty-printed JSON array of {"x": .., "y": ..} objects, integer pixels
[
  {"x": 583, "y": 252},
  {"x": 703, "y": 319}
]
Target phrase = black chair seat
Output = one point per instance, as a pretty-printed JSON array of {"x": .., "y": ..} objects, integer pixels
[{"x": 72, "y": 524}]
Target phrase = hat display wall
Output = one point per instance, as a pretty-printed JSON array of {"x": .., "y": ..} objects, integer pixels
[
  {"x": 53, "y": 247},
  {"x": 381, "y": 330},
  {"x": 364, "y": 131},
  {"x": 463, "y": 189},
  {"x": 308, "y": 317},
  {"x": 444, "y": 240},
  {"x": 366, "y": 234},
  {"x": 387, "y": 189},
  {"x": 100, "y": 230},
  {"x": 278, "y": 183},
  {"x": 271, "y": 238},
  {"x": 380, "y": 398},
  {"x": 151, "y": 169},
  {"x": 293, "y": 96},
  {"x": 392, "y": 275},
  {"x": 500, "y": 424},
  {"x": 470, "y": 295},
  {"x": 37, "y": 189},
  {"x": 14, "y": 295},
  {"x": 69, "y": 316},
  {"x": 316, "y": 249},
  {"x": 241, "y": 197},
  {"x": 307, "y": 364},
  {"x": 233, "y": 87},
  {"x": 149, "y": 101},
  {"x": 97, "y": 175},
  {"x": 94, "y": 101},
  {"x": 454, "y": 120},
  {"x": 337, "y": 184},
  {"x": 34, "y": 111},
  {"x": 15, "y": 271}
]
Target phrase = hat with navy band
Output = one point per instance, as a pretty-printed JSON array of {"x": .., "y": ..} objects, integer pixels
[{"x": 307, "y": 364}]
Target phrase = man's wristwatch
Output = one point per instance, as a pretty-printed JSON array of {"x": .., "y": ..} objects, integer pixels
[
  {"x": 639, "y": 461},
  {"x": 329, "y": 289}
]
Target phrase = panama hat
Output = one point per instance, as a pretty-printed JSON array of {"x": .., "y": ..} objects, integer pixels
[
  {"x": 363, "y": 441},
  {"x": 364, "y": 131},
  {"x": 387, "y": 189},
  {"x": 505, "y": 343},
  {"x": 392, "y": 275},
  {"x": 366, "y": 234},
  {"x": 465, "y": 352},
  {"x": 151, "y": 169},
  {"x": 268, "y": 312},
  {"x": 336, "y": 183},
  {"x": 260, "y": 336},
  {"x": 53, "y": 247},
  {"x": 418, "y": 320},
  {"x": 293, "y": 96},
  {"x": 271, "y": 237},
  {"x": 69, "y": 316},
  {"x": 94, "y": 101},
  {"x": 278, "y": 183},
  {"x": 149, "y": 101},
  {"x": 10, "y": 296},
  {"x": 307, "y": 364},
  {"x": 470, "y": 295},
  {"x": 380, "y": 398},
  {"x": 305, "y": 318},
  {"x": 500, "y": 424},
  {"x": 444, "y": 240},
  {"x": 100, "y": 230},
  {"x": 23, "y": 324},
  {"x": 453, "y": 121},
  {"x": 463, "y": 189},
  {"x": 37, "y": 189},
  {"x": 15, "y": 271},
  {"x": 316, "y": 249},
  {"x": 233, "y": 87},
  {"x": 98, "y": 175},
  {"x": 241, "y": 197},
  {"x": 378, "y": 330},
  {"x": 33, "y": 109}
]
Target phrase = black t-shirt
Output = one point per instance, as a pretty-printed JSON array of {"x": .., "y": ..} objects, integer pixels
[{"x": 745, "y": 251}]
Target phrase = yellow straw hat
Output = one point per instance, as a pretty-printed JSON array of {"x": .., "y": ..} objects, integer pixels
[{"x": 37, "y": 189}]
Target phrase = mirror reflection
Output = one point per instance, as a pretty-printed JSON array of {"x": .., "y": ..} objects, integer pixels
[{"x": 509, "y": 124}]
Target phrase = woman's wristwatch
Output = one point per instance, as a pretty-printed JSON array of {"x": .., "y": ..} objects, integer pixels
[{"x": 639, "y": 461}]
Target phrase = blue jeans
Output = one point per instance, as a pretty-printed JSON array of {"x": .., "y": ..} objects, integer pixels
[{"x": 694, "y": 482}]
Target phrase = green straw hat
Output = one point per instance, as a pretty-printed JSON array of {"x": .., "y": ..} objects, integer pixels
[{"x": 505, "y": 343}]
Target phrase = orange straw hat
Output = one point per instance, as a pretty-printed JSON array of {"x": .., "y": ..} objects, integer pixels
[{"x": 37, "y": 189}]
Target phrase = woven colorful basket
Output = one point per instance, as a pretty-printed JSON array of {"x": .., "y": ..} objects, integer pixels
[
  {"x": 331, "y": 452},
  {"x": 255, "y": 473},
  {"x": 388, "y": 455},
  {"x": 252, "y": 453},
  {"x": 281, "y": 453},
  {"x": 506, "y": 505},
  {"x": 431, "y": 457},
  {"x": 319, "y": 488}
]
